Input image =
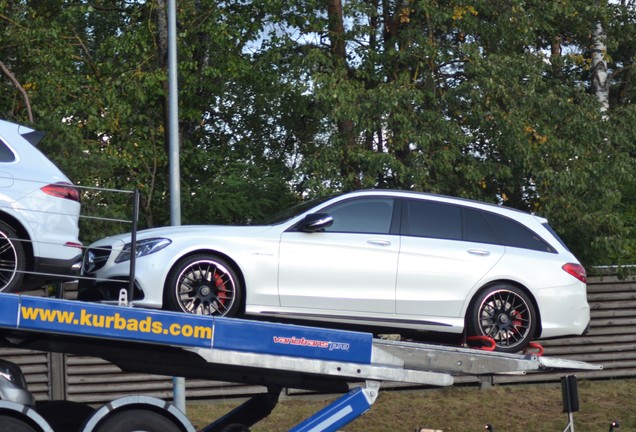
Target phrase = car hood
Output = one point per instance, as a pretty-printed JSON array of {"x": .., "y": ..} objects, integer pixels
[{"x": 177, "y": 231}]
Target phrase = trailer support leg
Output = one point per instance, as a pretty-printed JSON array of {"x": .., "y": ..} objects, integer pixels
[
  {"x": 248, "y": 413},
  {"x": 342, "y": 411}
]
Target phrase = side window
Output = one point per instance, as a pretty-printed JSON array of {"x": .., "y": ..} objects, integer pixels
[
  {"x": 476, "y": 228},
  {"x": 6, "y": 155},
  {"x": 368, "y": 215},
  {"x": 432, "y": 219},
  {"x": 514, "y": 234}
]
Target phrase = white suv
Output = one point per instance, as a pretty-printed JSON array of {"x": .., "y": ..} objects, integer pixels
[{"x": 39, "y": 214}]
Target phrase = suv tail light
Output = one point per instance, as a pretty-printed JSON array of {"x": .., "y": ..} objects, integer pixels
[
  {"x": 62, "y": 190},
  {"x": 576, "y": 270}
]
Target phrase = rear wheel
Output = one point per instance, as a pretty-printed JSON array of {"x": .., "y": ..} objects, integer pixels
[
  {"x": 204, "y": 285},
  {"x": 137, "y": 420},
  {"x": 64, "y": 415},
  {"x": 12, "y": 424},
  {"x": 504, "y": 313},
  {"x": 12, "y": 259}
]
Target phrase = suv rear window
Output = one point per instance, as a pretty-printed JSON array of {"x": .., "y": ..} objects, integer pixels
[{"x": 6, "y": 155}]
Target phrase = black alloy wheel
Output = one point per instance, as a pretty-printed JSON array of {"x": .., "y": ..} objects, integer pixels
[
  {"x": 203, "y": 285},
  {"x": 504, "y": 313}
]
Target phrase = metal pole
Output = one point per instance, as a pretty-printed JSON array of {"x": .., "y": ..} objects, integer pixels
[
  {"x": 178, "y": 383},
  {"x": 173, "y": 114},
  {"x": 133, "y": 246}
]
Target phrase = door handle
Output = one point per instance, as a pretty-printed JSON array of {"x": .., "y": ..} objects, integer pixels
[
  {"x": 379, "y": 242},
  {"x": 479, "y": 252}
]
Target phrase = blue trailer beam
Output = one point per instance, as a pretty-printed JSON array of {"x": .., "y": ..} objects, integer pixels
[{"x": 341, "y": 412}]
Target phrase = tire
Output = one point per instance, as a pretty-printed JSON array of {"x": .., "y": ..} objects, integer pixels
[
  {"x": 12, "y": 259},
  {"x": 137, "y": 420},
  {"x": 64, "y": 415},
  {"x": 235, "y": 428},
  {"x": 506, "y": 314},
  {"x": 203, "y": 285},
  {"x": 12, "y": 424}
]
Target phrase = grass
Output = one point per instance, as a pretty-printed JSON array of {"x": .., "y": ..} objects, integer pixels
[{"x": 527, "y": 407}]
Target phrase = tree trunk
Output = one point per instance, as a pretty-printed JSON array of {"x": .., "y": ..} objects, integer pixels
[
  {"x": 600, "y": 82},
  {"x": 345, "y": 126}
]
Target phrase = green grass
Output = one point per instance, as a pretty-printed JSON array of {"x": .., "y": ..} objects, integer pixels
[{"x": 527, "y": 407}]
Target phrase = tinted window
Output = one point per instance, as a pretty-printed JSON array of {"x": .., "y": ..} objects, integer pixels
[
  {"x": 556, "y": 236},
  {"x": 514, "y": 234},
  {"x": 431, "y": 219},
  {"x": 6, "y": 155},
  {"x": 477, "y": 229},
  {"x": 369, "y": 215}
]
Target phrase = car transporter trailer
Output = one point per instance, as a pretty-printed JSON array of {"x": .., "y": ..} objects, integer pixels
[{"x": 275, "y": 356}]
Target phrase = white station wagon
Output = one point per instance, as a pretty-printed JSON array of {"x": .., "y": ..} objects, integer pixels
[{"x": 405, "y": 262}]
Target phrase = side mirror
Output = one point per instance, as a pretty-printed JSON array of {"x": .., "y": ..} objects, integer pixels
[{"x": 315, "y": 222}]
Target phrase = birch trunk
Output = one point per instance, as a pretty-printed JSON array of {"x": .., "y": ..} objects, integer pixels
[{"x": 600, "y": 82}]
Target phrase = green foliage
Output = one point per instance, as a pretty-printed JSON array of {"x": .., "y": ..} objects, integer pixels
[{"x": 285, "y": 100}]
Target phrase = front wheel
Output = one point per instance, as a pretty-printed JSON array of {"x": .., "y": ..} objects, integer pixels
[
  {"x": 204, "y": 285},
  {"x": 504, "y": 313}
]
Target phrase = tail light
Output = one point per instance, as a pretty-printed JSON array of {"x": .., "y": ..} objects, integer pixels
[
  {"x": 62, "y": 190},
  {"x": 576, "y": 270}
]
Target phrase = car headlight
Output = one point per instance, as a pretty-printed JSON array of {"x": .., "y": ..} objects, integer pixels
[{"x": 144, "y": 247}]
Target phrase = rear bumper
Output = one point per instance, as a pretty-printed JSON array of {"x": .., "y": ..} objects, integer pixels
[{"x": 55, "y": 269}]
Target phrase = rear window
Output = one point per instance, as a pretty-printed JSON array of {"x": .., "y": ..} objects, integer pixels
[
  {"x": 477, "y": 229},
  {"x": 514, "y": 234},
  {"x": 556, "y": 236},
  {"x": 434, "y": 220},
  {"x": 6, "y": 154}
]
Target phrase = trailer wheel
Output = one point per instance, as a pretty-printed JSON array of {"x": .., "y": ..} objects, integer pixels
[
  {"x": 235, "y": 428},
  {"x": 64, "y": 415},
  {"x": 12, "y": 259},
  {"x": 137, "y": 420},
  {"x": 204, "y": 285},
  {"x": 504, "y": 313},
  {"x": 11, "y": 424}
]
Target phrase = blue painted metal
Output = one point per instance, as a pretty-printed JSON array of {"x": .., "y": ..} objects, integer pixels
[
  {"x": 179, "y": 329},
  {"x": 337, "y": 414},
  {"x": 292, "y": 340},
  {"x": 113, "y": 322}
]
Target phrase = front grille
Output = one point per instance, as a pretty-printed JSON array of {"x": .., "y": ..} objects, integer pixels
[{"x": 94, "y": 259}]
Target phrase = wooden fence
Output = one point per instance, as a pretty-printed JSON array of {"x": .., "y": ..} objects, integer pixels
[{"x": 610, "y": 343}]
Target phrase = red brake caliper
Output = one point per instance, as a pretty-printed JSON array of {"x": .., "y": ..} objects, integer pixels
[{"x": 218, "y": 282}]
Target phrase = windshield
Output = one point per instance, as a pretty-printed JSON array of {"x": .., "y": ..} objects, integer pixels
[{"x": 292, "y": 212}]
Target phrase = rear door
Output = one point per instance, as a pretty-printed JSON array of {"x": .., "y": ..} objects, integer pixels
[{"x": 446, "y": 249}]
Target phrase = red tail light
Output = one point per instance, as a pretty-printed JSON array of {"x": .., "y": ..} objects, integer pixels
[
  {"x": 576, "y": 270},
  {"x": 62, "y": 190}
]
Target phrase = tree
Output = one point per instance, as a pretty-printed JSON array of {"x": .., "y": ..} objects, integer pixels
[{"x": 284, "y": 100}]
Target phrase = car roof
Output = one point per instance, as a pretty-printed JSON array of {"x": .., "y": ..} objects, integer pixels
[
  {"x": 442, "y": 198},
  {"x": 29, "y": 160}
]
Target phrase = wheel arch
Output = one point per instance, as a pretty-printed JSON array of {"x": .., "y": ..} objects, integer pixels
[
  {"x": 522, "y": 287},
  {"x": 22, "y": 233},
  {"x": 226, "y": 258}
]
